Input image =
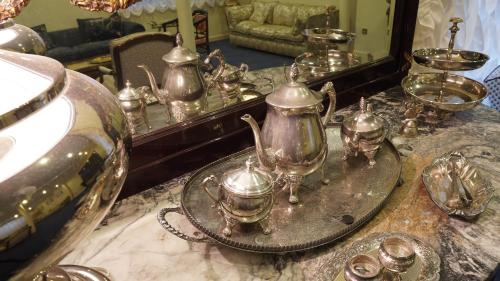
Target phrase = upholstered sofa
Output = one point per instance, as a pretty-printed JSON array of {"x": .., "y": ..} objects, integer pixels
[
  {"x": 276, "y": 27},
  {"x": 85, "y": 41}
]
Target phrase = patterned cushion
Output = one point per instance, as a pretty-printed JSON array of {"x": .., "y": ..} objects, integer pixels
[
  {"x": 246, "y": 26},
  {"x": 269, "y": 31},
  {"x": 261, "y": 11},
  {"x": 306, "y": 11},
  {"x": 238, "y": 13},
  {"x": 42, "y": 31},
  {"x": 284, "y": 15}
]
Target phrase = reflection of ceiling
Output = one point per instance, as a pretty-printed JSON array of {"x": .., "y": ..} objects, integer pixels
[{"x": 151, "y": 6}]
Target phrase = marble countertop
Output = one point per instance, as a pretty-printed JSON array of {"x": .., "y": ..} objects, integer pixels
[{"x": 131, "y": 244}]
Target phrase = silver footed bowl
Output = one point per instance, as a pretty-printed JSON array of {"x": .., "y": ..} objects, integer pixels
[
  {"x": 456, "y": 186},
  {"x": 459, "y": 60},
  {"x": 446, "y": 92},
  {"x": 64, "y": 146}
]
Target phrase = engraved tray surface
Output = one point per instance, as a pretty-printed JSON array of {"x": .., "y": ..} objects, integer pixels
[
  {"x": 325, "y": 212},
  {"x": 425, "y": 268}
]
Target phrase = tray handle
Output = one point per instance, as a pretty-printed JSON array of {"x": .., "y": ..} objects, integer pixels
[{"x": 164, "y": 223}]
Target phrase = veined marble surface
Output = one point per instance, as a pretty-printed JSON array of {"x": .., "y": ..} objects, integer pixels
[{"x": 132, "y": 245}]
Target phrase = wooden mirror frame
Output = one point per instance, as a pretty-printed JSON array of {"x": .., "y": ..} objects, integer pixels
[{"x": 174, "y": 150}]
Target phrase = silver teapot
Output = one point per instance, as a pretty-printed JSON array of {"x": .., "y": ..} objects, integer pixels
[
  {"x": 245, "y": 196},
  {"x": 183, "y": 86},
  {"x": 293, "y": 141},
  {"x": 363, "y": 132},
  {"x": 134, "y": 106}
]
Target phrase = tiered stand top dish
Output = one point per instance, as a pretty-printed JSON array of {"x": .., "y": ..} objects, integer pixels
[{"x": 460, "y": 60}]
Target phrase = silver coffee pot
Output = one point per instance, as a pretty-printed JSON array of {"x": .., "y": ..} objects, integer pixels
[
  {"x": 363, "y": 132},
  {"x": 134, "y": 106},
  {"x": 183, "y": 86},
  {"x": 245, "y": 195},
  {"x": 293, "y": 141}
]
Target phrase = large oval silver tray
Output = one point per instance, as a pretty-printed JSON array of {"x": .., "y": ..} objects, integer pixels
[
  {"x": 425, "y": 268},
  {"x": 460, "y": 60},
  {"x": 459, "y": 93},
  {"x": 335, "y": 60},
  {"x": 325, "y": 213}
]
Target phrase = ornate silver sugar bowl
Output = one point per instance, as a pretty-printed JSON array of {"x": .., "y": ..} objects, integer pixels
[
  {"x": 134, "y": 106},
  {"x": 363, "y": 132},
  {"x": 245, "y": 195},
  {"x": 183, "y": 87},
  {"x": 64, "y": 148},
  {"x": 293, "y": 141}
]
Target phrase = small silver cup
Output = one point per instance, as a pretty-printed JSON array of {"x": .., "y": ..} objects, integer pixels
[
  {"x": 362, "y": 268},
  {"x": 396, "y": 254}
]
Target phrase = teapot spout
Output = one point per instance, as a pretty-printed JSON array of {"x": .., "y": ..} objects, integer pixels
[
  {"x": 265, "y": 161},
  {"x": 152, "y": 81}
]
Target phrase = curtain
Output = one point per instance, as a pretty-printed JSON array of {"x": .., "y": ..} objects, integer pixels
[
  {"x": 151, "y": 6},
  {"x": 480, "y": 30}
]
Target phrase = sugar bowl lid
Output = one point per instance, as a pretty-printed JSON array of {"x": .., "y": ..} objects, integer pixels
[
  {"x": 248, "y": 181},
  {"x": 128, "y": 93},
  {"x": 180, "y": 54},
  {"x": 293, "y": 94},
  {"x": 364, "y": 120}
]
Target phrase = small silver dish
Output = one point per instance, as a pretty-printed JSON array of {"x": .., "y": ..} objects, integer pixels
[
  {"x": 456, "y": 186},
  {"x": 362, "y": 268},
  {"x": 444, "y": 91},
  {"x": 426, "y": 265},
  {"x": 458, "y": 60},
  {"x": 396, "y": 254}
]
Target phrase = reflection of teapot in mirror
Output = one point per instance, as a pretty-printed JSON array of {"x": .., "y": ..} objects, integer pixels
[
  {"x": 229, "y": 82},
  {"x": 183, "y": 87},
  {"x": 293, "y": 139}
]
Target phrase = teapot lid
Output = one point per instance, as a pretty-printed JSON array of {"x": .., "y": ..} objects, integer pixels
[
  {"x": 293, "y": 94},
  {"x": 180, "y": 54},
  {"x": 128, "y": 93},
  {"x": 363, "y": 120},
  {"x": 248, "y": 181}
]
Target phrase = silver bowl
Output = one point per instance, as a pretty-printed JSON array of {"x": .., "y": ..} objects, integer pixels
[
  {"x": 459, "y": 60},
  {"x": 467, "y": 195},
  {"x": 64, "y": 145},
  {"x": 446, "y": 92}
]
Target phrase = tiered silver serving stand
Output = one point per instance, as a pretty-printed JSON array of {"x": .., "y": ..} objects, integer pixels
[
  {"x": 326, "y": 212},
  {"x": 445, "y": 92},
  {"x": 329, "y": 50}
]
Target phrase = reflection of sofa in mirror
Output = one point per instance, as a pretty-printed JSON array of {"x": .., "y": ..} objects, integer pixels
[
  {"x": 276, "y": 27},
  {"x": 90, "y": 39}
]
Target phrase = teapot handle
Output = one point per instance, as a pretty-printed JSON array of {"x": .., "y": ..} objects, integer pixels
[
  {"x": 243, "y": 70},
  {"x": 330, "y": 90},
  {"x": 204, "y": 184},
  {"x": 222, "y": 66}
]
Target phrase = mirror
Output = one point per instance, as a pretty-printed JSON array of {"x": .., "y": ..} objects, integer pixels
[{"x": 324, "y": 37}]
